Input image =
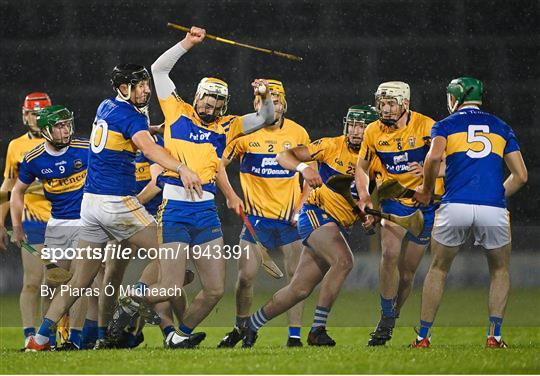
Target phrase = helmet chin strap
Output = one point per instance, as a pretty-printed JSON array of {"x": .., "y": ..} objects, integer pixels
[
  {"x": 125, "y": 97},
  {"x": 392, "y": 122}
]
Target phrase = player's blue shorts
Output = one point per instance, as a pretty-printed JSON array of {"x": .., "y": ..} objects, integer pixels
[
  {"x": 35, "y": 231},
  {"x": 311, "y": 218},
  {"x": 397, "y": 208},
  {"x": 271, "y": 232},
  {"x": 193, "y": 223}
]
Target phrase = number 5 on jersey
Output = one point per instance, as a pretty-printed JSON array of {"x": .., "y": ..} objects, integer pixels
[{"x": 472, "y": 136}]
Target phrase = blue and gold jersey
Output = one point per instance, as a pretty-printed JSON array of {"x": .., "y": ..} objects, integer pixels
[
  {"x": 143, "y": 176},
  {"x": 111, "y": 163},
  {"x": 63, "y": 176},
  {"x": 270, "y": 191},
  {"x": 397, "y": 148},
  {"x": 198, "y": 146},
  {"x": 36, "y": 206},
  {"x": 476, "y": 144},
  {"x": 334, "y": 157}
]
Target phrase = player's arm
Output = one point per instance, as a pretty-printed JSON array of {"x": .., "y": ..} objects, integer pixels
[
  {"x": 16, "y": 204},
  {"x": 303, "y": 198},
  {"x": 151, "y": 189},
  {"x": 265, "y": 115},
  {"x": 295, "y": 158},
  {"x": 5, "y": 192},
  {"x": 145, "y": 143},
  {"x": 233, "y": 201},
  {"x": 7, "y": 186},
  {"x": 518, "y": 173},
  {"x": 165, "y": 63},
  {"x": 432, "y": 165}
]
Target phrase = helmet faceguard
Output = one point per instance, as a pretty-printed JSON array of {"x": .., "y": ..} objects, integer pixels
[
  {"x": 215, "y": 88},
  {"x": 393, "y": 90},
  {"x": 358, "y": 115},
  {"x": 130, "y": 75},
  {"x": 56, "y": 117},
  {"x": 32, "y": 103},
  {"x": 464, "y": 90},
  {"x": 277, "y": 92}
]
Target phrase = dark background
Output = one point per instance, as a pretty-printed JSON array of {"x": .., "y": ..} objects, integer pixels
[{"x": 67, "y": 48}]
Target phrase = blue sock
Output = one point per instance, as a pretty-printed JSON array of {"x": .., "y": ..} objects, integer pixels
[
  {"x": 30, "y": 331},
  {"x": 184, "y": 329},
  {"x": 75, "y": 337},
  {"x": 257, "y": 320},
  {"x": 294, "y": 331},
  {"x": 45, "y": 328},
  {"x": 167, "y": 330},
  {"x": 52, "y": 338},
  {"x": 424, "y": 328},
  {"x": 495, "y": 324},
  {"x": 102, "y": 331},
  {"x": 89, "y": 333},
  {"x": 321, "y": 316},
  {"x": 388, "y": 307}
]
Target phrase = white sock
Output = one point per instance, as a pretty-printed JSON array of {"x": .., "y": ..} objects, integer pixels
[{"x": 41, "y": 340}]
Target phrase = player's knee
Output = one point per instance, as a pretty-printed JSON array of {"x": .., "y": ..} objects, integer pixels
[
  {"x": 30, "y": 288},
  {"x": 214, "y": 293},
  {"x": 345, "y": 264},
  {"x": 389, "y": 256},
  {"x": 406, "y": 277},
  {"x": 301, "y": 292},
  {"x": 500, "y": 272},
  {"x": 441, "y": 265},
  {"x": 245, "y": 280}
]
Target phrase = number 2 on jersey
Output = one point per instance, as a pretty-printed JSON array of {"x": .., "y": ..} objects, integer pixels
[{"x": 472, "y": 136}]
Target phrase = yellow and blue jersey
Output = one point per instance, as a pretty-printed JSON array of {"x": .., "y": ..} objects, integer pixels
[
  {"x": 270, "y": 191},
  {"x": 63, "y": 176},
  {"x": 476, "y": 144},
  {"x": 198, "y": 146},
  {"x": 36, "y": 207},
  {"x": 143, "y": 176},
  {"x": 334, "y": 158},
  {"x": 111, "y": 163},
  {"x": 397, "y": 148}
]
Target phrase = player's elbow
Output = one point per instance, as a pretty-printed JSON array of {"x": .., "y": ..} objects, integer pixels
[{"x": 522, "y": 176}]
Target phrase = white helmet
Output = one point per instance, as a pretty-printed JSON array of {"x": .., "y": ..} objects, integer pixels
[
  {"x": 394, "y": 89},
  {"x": 213, "y": 87}
]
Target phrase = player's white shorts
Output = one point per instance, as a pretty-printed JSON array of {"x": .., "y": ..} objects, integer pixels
[
  {"x": 490, "y": 225},
  {"x": 105, "y": 217},
  {"x": 62, "y": 233}
]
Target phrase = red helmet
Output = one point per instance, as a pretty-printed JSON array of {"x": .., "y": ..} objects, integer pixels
[{"x": 36, "y": 101}]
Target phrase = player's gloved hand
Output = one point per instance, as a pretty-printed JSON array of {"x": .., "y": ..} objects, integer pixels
[
  {"x": 416, "y": 168},
  {"x": 18, "y": 236},
  {"x": 191, "y": 181},
  {"x": 312, "y": 177},
  {"x": 421, "y": 197},
  {"x": 4, "y": 238},
  {"x": 195, "y": 36},
  {"x": 368, "y": 221},
  {"x": 259, "y": 82},
  {"x": 235, "y": 204}
]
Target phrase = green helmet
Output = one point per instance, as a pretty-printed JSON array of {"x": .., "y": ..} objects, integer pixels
[
  {"x": 48, "y": 117},
  {"x": 464, "y": 89},
  {"x": 359, "y": 114}
]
